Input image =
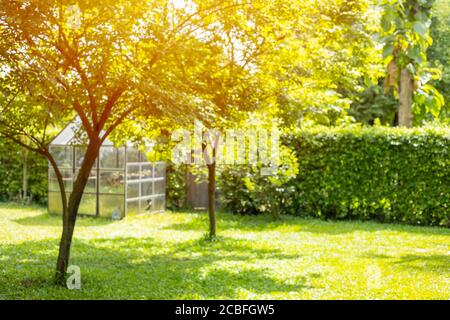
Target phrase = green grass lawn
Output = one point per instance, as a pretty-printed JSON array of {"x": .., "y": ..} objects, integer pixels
[{"x": 164, "y": 256}]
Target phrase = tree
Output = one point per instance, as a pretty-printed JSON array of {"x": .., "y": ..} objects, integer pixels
[
  {"x": 109, "y": 61},
  {"x": 439, "y": 52},
  {"x": 406, "y": 38}
]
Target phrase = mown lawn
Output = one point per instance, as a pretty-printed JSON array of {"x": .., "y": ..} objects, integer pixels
[{"x": 164, "y": 256}]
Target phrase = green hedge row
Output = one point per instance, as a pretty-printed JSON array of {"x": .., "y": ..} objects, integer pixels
[{"x": 386, "y": 174}]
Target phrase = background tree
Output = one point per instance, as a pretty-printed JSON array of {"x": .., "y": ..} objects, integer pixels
[
  {"x": 406, "y": 38},
  {"x": 439, "y": 52}
]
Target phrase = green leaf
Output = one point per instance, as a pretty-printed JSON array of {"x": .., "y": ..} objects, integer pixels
[
  {"x": 388, "y": 50},
  {"x": 415, "y": 54},
  {"x": 386, "y": 23},
  {"x": 420, "y": 28}
]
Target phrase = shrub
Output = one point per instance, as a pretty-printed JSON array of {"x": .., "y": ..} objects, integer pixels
[
  {"x": 176, "y": 187},
  {"x": 386, "y": 174},
  {"x": 245, "y": 190}
]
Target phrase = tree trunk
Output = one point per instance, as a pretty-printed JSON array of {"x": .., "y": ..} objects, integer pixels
[
  {"x": 210, "y": 160},
  {"x": 212, "y": 199},
  {"x": 406, "y": 89},
  {"x": 69, "y": 219}
]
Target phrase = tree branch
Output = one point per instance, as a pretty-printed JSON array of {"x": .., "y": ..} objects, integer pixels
[{"x": 112, "y": 100}]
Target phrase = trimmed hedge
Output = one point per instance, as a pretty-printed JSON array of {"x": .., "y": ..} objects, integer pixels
[{"x": 379, "y": 173}]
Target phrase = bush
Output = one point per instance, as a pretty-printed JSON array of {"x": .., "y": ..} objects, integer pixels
[
  {"x": 176, "y": 187},
  {"x": 385, "y": 174},
  {"x": 245, "y": 190}
]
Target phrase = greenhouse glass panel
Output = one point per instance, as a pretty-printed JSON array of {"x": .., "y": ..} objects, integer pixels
[
  {"x": 54, "y": 202},
  {"x": 133, "y": 172},
  {"x": 160, "y": 169},
  {"x": 111, "y": 202},
  {"x": 146, "y": 205},
  {"x": 112, "y": 182},
  {"x": 63, "y": 156},
  {"x": 159, "y": 203},
  {"x": 133, "y": 190},
  {"x": 133, "y": 155},
  {"x": 146, "y": 171},
  {"x": 88, "y": 205},
  {"x": 160, "y": 187},
  {"x": 146, "y": 188},
  {"x": 133, "y": 207},
  {"x": 53, "y": 184},
  {"x": 112, "y": 158}
]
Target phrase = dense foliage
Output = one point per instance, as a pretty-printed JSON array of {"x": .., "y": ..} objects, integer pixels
[
  {"x": 373, "y": 104},
  {"x": 439, "y": 52},
  {"x": 376, "y": 173},
  {"x": 176, "y": 187},
  {"x": 12, "y": 160},
  {"x": 245, "y": 190},
  {"x": 320, "y": 68}
]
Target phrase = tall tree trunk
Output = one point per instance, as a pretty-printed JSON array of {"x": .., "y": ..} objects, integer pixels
[
  {"x": 210, "y": 159},
  {"x": 406, "y": 89},
  {"x": 69, "y": 219},
  {"x": 212, "y": 199}
]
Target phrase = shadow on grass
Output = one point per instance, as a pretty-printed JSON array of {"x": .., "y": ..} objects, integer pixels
[
  {"x": 426, "y": 263},
  {"x": 46, "y": 219},
  {"x": 21, "y": 207},
  {"x": 420, "y": 262},
  {"x": 136, "y": 268},
  {"x": 371, "y": 255},
  {"x": 263, "y": 223}
]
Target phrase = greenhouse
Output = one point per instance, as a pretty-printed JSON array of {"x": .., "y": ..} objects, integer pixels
[{"x": 121, "y": 182}]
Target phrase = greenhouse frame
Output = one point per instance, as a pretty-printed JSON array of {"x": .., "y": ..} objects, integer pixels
[{"x": 121, "y": 182}]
